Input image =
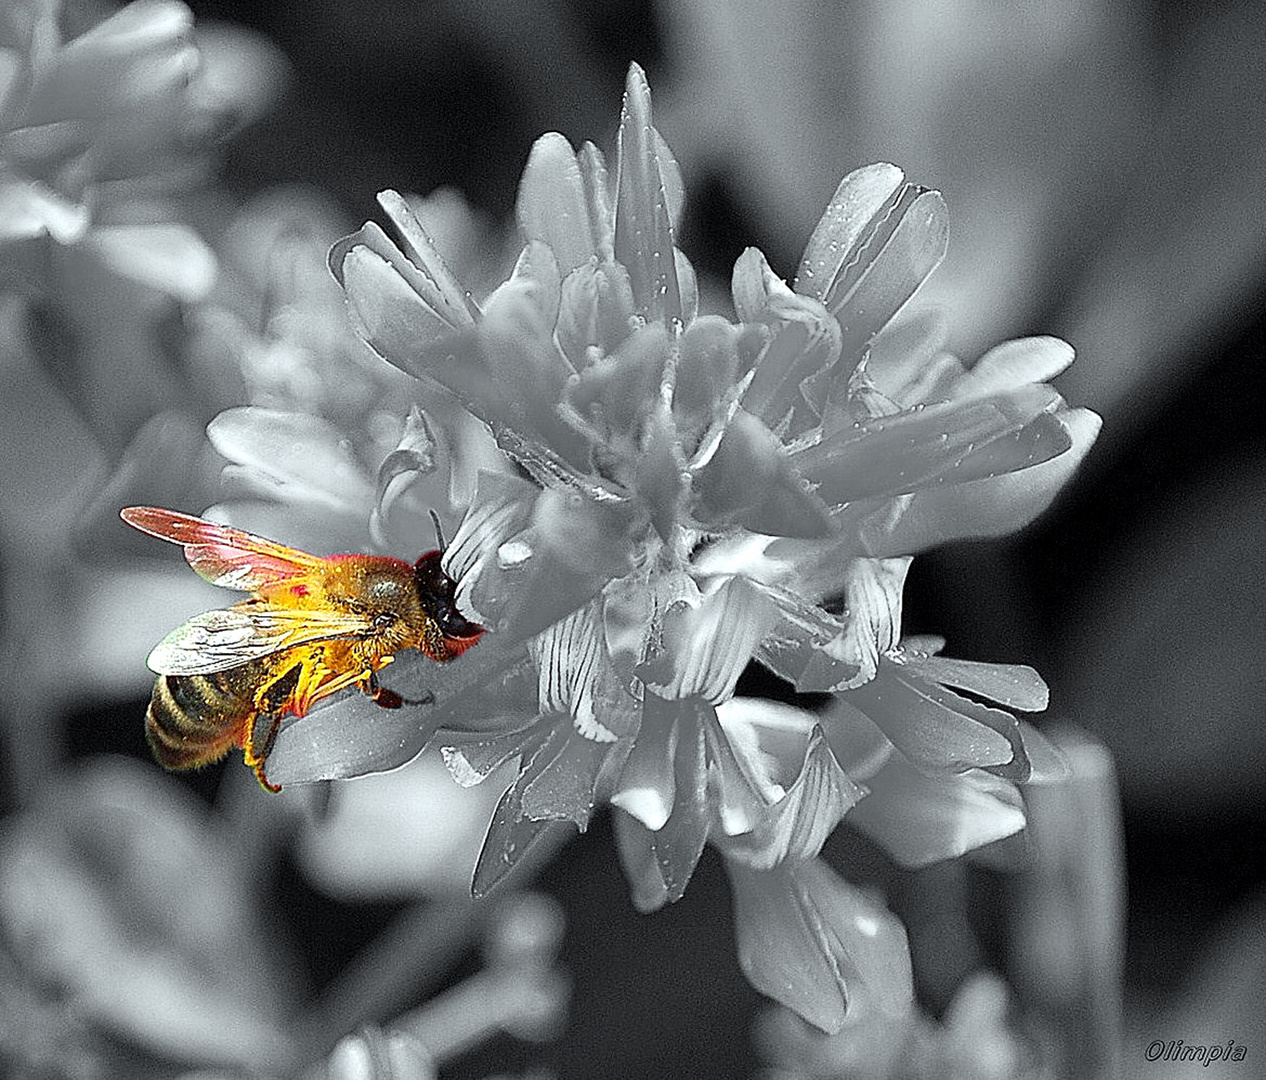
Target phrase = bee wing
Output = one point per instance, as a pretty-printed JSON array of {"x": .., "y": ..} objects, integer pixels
[
  {"x": 225, "y": 556},
  {"x": 222, "y": 639}
]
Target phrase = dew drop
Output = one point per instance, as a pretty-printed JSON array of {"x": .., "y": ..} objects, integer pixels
[{"x": 513, "y": 553}]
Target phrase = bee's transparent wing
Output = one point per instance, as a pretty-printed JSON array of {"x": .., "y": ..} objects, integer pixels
[{"x": 217, "y": 640}]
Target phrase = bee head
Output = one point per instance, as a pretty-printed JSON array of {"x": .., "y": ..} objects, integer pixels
[{"x": 438, "y": 593}]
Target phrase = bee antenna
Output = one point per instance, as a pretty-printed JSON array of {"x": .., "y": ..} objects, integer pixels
[{"x": 439, "y": 529}]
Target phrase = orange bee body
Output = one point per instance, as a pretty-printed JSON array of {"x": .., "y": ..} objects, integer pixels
[{"x": 312, "y": 626}]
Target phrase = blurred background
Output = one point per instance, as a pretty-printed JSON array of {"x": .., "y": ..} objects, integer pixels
[{"x": 1102, "y": 162}]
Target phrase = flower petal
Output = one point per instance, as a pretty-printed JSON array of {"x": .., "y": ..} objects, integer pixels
[
  {"x": 808, "y": 647},
  {"x": 663, "y": 786},
  {"x": 30, "y": 208},
  {"x": 560, "y": 784},
  {"x": 1047, "y": 763},
  {"x": 818, "y": 945},
  {"x": 919, "y": 819},
  {"x": 433, "y": 469},
  {"x": 796, "y": 825},
  {"x": 678, "y": 845},
  {"x": 618, "y": 394},
  {"x": 752, "y": 282},
  {"x": 515, "y": 377},
  {"x": 510, "y": 837},
  {"x": 936, "y": 728},
  {"x": 647, "y": 786},
  {"x": 637, "y": 859},
  {"x": 471, "y": 757},
  {"x": 1013, "y": 364},
  {"x": 169, "y": 257},
  {"x": 711, "y": 643},
  {"x": 413, "y": 458},
  {"x": 501, "y": 508},
  {"x": 861, "y": 196},
  {"x": 660, "y": 473},
  {"x": 949, "y": 442},
  {"x": 577, "y": 678},
  {"x": 141, "y": 58},
  {"x": 877, "y": 242},
  {"x": 818, "y": 651},
  {"x": 419, "y": 264},
  {"x": 705, "y": 389},
  {"x": 793, "y": 374},
  {"x": 687, "y": 284},
  {"x": 385, "y": 307},
  {"x": 296, "y": 456},
  {"x": 348, "y": 735},
  {"x": 525, "y": 558},
  {"x": 907, "y": 361},
  {"x": 572, "y": 548},
  {"x": 117, "y": 890},
  {"x": 1016, "y": 686},
  {"x": 593, "y": 167},
  {"x": 749, "y": 482},
  {"x": 553, "y": 205},
  {"x": 596, "y": 312},
  {"x": 737, "y": 806},
  {"x": 990, "y": 507},
  {"x": 397, "y": 836},
  {"x": 643, "y": 219}
]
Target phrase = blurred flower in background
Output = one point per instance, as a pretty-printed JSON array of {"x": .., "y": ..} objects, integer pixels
[
  {"x": 109, "y": 138},
  {"x": 112, "y": 121}
]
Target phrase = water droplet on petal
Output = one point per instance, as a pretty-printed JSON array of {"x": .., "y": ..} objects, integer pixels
[{"x": 513, "y": 553}]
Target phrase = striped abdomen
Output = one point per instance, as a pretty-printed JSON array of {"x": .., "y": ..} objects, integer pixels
[{"x": 194, "y": 720}]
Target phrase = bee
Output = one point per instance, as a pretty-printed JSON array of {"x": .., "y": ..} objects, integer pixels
[{"x": 312, "y": 626}]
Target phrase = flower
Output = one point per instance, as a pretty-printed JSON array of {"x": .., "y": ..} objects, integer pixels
[
  {"x": 97, "y": 131},
  {"x": 974, "y": 1038},
  {"x": 132, "y": 936},
  {"x": 107, "y": 146},
  {"x": 677, "y": 494}
]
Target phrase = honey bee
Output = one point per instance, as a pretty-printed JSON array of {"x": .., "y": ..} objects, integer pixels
[{"x": 312, "y": 626}]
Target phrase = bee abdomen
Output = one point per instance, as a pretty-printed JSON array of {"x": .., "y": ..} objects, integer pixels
[{"x": 194, "y": 720}]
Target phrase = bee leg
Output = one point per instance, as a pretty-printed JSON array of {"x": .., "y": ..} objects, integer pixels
[
  {"x": 271, "y": 703},
  {"x": 259, "y": 743},
  {"x": 389, "y": 699}
]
